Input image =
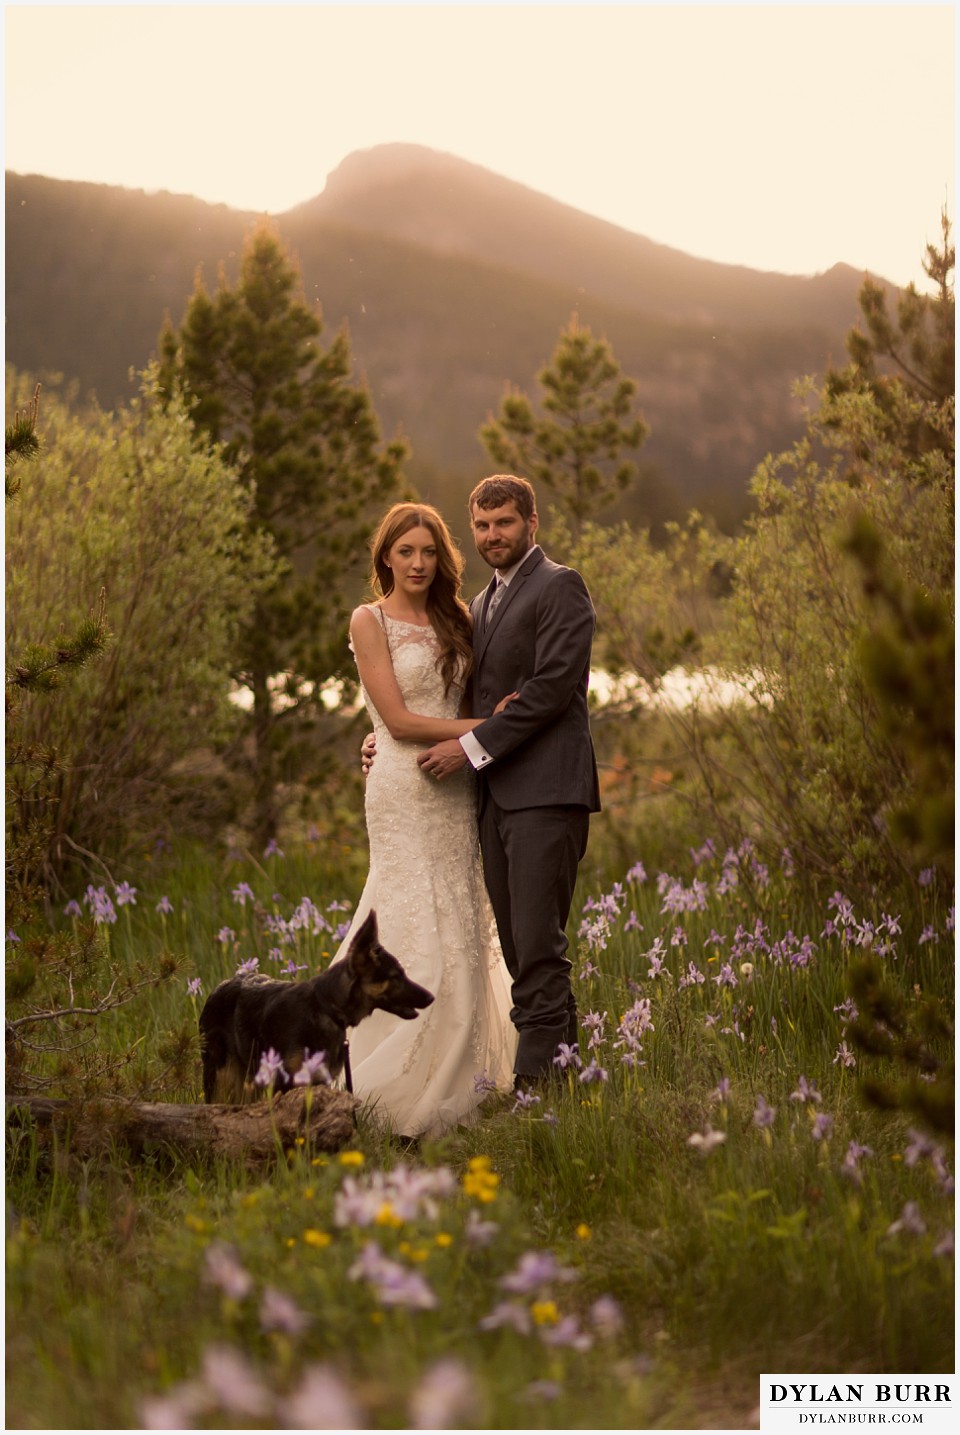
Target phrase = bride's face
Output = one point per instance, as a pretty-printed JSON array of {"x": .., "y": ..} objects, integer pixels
[{"x": 413, "y": 561}]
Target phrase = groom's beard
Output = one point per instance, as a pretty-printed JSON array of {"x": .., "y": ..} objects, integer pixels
[{"x": 503, "y": 554}]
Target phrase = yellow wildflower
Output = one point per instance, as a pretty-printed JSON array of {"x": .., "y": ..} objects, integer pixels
[
  {"x": 443, "y": 1238},
  {"x": 387, "y": 1216},
  {"x": 195, "y": 1223},
  {"x": 479, "y": 1181},
  {"x": 317, "y": 1238},
  {"x": 352, "y": 1158},
  {"x": 583, "y": 1232},
  {"x": 544, "y": 1312}
]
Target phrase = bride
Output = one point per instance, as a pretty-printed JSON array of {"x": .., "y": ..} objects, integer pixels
[{"x": 413, "y": 650}]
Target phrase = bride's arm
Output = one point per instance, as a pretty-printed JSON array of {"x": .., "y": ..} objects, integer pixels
[{"x": 377, "y": 675}]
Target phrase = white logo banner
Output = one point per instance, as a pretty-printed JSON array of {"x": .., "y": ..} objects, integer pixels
[{"x": 822, "y": 1403}]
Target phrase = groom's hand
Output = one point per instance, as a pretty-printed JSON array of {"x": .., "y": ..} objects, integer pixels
[{"x": 443, "y": 759}]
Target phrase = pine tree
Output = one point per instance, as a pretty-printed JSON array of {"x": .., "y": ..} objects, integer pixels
[
  {"x": 575, "y": 447},
  {"x": 911, "y": 356},
  {"x": 908, "y": 369},
  {"x": 306, "y": 438}
]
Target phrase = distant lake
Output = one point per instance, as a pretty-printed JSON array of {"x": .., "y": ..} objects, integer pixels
[{"x": 678, "y": 690}]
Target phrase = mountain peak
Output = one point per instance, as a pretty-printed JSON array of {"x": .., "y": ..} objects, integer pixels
[{"x": 390, "y": 162}]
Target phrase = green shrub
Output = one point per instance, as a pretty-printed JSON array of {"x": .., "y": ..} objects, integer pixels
[{"x": 126, "y": 505}]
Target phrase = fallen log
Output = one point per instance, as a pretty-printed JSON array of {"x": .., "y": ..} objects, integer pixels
[{"x": 251, "y": 1132}]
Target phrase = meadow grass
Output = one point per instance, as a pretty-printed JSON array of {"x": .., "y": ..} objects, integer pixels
[{"x": 704, "y": 1196}]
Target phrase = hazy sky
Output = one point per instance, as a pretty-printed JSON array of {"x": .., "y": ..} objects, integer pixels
[{"x": 781, "y": 137}]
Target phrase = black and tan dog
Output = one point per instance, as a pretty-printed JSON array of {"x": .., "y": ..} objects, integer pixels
[{"x": 247, "y": 1016}]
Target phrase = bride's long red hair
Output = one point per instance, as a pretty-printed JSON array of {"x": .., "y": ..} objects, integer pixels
[{"x": 446, "y": 610}]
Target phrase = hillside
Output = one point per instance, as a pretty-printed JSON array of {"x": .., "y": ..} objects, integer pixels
[
  {"x": 450, "y": 206},
  {"x": 454, "y": 282}
]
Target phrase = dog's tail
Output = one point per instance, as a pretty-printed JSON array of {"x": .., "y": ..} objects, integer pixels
[{"x": 215, "y": 1054}]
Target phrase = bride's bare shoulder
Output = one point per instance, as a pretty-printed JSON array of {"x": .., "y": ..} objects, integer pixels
[{"x": 366, "y": 622}]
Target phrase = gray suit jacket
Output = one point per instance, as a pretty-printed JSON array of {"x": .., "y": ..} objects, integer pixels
[{"x": 538, "y": 643}]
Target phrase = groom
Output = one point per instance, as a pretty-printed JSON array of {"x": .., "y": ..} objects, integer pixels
[{"x": 533, "y": 630}]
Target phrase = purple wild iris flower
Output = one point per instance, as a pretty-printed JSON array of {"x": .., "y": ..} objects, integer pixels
[
  {"x": 482, "y": 1083},
  {"x": 477, "y": 1232},
  {"x": 567, "y": 1333},
  {"x": 322, "y": 1401},
  {"x": 164, "y": 906},
  {"x": 919, "y": 1148},
  {"x": 910, "y": 1221},
  {"x": 764, "y": 1115},
  {"x": 806, "y": 1091},
  {"x": 222, "y": 1268},
  {"x": 445, "y": 1398},
  {"x": 73, "y": 909},
  {"x": 279, "y": 1312},
  {"x": 195, "y": 987},
  {"x": 394, "y": 1284},
  {"x": 822, "y": 1123},
  {"x": 314, "y": 1071},
  {"x": 533, "y": 1271},
  {"x": 851, "y": 1161},
  {"x": 100, "y": 904},
  {"x": 233, "y": 1383},
  {"x": 593, "y": 1072},
  {"x": 568, "y": 1055},
  {"x": 524, "y": 1100},
  {"x": 606, "y": 1316},
  {"x": 271, "y": 1066},
  {"x": 508, "y": 1313},
  {"x": 126, "y": 895},
  {"x": 243, "y": 893}
]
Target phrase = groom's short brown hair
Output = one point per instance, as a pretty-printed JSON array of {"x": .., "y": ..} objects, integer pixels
[{"x": 502, "y": 488}]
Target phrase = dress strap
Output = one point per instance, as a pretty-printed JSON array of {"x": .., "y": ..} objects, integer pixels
[{"x": 383, "y": 623}]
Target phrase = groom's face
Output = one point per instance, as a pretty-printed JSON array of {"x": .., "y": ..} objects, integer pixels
[{"x": 501, "y": 534}]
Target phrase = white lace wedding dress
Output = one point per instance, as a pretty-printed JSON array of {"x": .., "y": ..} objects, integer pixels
[{"x": 433, "y": 913}]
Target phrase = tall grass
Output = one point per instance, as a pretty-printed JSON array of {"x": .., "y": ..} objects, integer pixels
[{"x": 702, "y": 1196}]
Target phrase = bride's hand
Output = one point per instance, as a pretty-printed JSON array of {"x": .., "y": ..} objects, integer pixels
[{"x": 503, "y": 702}]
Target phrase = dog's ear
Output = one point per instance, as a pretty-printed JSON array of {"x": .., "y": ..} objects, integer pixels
[{"x": 364, "y": 943}]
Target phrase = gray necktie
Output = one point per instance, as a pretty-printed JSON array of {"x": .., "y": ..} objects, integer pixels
[{"x": 498, "y": 593}]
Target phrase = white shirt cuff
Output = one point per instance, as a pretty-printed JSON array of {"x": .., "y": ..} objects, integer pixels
[{"x": 477, "y": 756}]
